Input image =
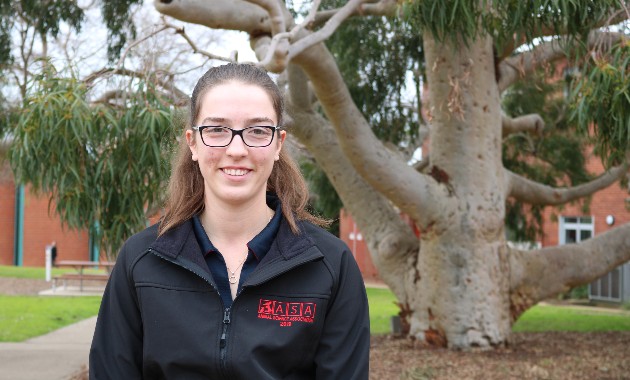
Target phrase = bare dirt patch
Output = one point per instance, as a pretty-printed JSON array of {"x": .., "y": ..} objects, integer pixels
[
  {"x": 22, "y": 286},
  {"x": 549, "y": 355}
]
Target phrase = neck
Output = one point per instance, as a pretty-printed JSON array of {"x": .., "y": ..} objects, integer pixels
[{"x": 235, "y": 223}]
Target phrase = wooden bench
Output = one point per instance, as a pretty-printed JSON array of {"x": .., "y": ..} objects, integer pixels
[{"x": 80, "y": 277}]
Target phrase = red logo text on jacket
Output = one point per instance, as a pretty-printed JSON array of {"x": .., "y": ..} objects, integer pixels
[{"x": 286, "y": 312}]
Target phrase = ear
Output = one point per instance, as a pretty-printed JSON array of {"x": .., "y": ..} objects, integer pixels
[
  {"x": 191, "y": 141},
  {"x": 281, "y": 136}
]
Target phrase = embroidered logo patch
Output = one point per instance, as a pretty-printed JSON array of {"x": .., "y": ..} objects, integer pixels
[{"x": 286, "y": 312}]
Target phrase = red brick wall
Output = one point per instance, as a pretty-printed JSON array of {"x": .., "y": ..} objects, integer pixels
[
  {"x": 40, "y": 229},
  {"x": 609, "y": 201},
  {"x": 347, "y": 229},
  {"x": 7, "y": 221}
]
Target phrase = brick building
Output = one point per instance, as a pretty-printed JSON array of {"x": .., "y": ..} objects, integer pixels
[{"x": 26, "y": 228}]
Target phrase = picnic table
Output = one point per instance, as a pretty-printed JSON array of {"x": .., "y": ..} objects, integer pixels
[{"x": 80, "y": 274}]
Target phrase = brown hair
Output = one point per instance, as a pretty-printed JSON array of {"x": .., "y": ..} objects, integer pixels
[{"x": 185, "y": 196}]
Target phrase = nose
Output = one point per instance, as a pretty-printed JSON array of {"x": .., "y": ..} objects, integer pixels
[{"x": 237, "y": 147}]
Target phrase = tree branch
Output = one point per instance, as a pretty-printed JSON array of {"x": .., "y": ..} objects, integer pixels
[
  {"x": 112, "y": 95},
  {"x": 531, "y": 123},
  {"x": 178, "y": 96},
  {"x": 181, "y": 31},
  {"x": 275, "y": 12},
  {"x": 614, "y": 17},
  {"x": 390, "y": 240},
  {"x": 299, "y": 91},
  {"x": 540, "y": 274},
  {"x": 137, "y": 42},
  {"x": 519, "y": 66},
  {"x": 218, "y": 14},
  {"x": 536, "y": 193},
  {"x": 379, "y": 8},
  {"x": 383, "y": 170},
  {"x": 421, "y": 166},
  {"x": 329, "y": 28}
]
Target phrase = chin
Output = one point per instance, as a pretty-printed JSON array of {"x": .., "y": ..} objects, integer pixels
[{"x": 236, "y": 197}]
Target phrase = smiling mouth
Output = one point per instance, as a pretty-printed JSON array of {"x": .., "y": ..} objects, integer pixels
[{"x": 235, "y": 172}]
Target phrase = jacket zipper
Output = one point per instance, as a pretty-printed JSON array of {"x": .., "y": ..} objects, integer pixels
[
  {"x": 226, "y": 310},
  {"x": 224, "y": 335}
]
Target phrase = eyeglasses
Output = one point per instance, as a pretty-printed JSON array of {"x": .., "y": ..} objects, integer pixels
[{"x": 217, "y": 136}]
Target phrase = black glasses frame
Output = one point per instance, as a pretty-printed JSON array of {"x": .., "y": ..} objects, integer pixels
[{"x": 235, "y": 132}]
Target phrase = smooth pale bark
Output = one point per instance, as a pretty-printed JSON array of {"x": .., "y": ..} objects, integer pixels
[
  {"x": 218, "y": 14},
  {"x": 531, "y": 123},
  {"x": 537, "y": 275},
  {"x": 463, "y": 274},
  {"x": 390, "y": 241},
  {"x": 459, "y": 285},
  {"x": 535, "y": 193},
  {"x": 381, "y": 8},
  {"x": 382, "y": 169},
  {"x": 519, "y": 66}
]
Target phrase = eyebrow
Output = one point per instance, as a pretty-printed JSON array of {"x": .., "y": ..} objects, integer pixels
[{"x": 223, "y": 120}]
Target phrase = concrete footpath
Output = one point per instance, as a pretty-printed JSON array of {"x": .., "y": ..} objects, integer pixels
[{"x": 58, "y": 355}]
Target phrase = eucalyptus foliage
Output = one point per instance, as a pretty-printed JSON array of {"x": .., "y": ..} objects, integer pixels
[
  {"x": 120, "y": 26},
  {"x": 601, "y": 97},
  {"x": 45, "y": 17},
  {"x": 100, "y": 164},
  {"x": 503, "y": 19},
  {"x": 555, "y": 157},
  {"x": 374, "y": 56}
]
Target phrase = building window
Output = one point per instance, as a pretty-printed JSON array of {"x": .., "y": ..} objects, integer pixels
[{"x": 576, "y": 229}]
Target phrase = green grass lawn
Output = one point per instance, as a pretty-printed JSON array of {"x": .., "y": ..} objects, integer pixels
[
  {"x": 382, "y": 307},
  {"x": 23, "y": 317},
  {"x": 538, "y": 318},
  {"x": 559, "y": 318}
]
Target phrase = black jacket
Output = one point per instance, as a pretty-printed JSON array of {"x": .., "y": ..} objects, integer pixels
[{"x": 302, "y": 313}]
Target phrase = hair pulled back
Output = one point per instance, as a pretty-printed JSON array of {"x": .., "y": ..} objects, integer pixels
[{"x": 185, "y": 197}]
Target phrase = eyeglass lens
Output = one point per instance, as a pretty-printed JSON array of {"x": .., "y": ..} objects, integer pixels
[{"x": 218, "y": 136}]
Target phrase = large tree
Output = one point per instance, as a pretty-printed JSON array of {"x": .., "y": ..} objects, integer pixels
[{"x": 459, "y": 284}]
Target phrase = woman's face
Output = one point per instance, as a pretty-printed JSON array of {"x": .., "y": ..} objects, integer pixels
[{"x": 236, "y": 174}]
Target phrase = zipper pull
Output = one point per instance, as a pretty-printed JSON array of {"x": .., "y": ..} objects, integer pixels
[
  {"x": 226, "y": 321},
  {"x": 226, "y": 316}
]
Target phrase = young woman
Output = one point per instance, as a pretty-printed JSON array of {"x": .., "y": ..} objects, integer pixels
[{"x": 237, "y": 281}]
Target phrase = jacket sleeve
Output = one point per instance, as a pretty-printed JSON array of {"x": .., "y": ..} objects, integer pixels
[
  {"x": 116, "y": 351},
  {"x": 344, "y": 347}
]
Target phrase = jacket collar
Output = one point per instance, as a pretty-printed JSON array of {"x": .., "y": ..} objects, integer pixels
[{"x": 181, "y": 243}]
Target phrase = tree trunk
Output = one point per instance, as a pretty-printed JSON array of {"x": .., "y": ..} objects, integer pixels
[{"x": 461, "y": 287}]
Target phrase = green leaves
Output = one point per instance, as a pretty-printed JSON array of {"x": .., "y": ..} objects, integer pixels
[
  {"x": 44, "y": 16},
  {"x": 445, "y": 19},
  {"x": 375, "y": 55},
  {"x": 506, "y": 20},
  {"x": 99, "y": 163},
  {"x": 556, "y": 158},
  {"x": 601, "y": 100},
  {"x": 117, "y": 16}
]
